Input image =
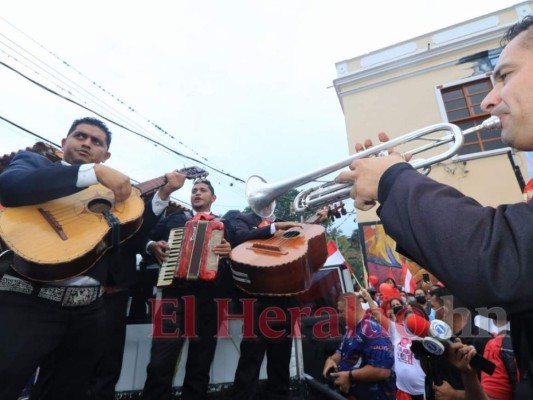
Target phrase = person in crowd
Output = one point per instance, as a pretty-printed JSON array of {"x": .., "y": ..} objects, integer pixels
[
  {"x": 278, "y": 351},
  {"x": 61, "y": 325},
  {"x": 421, "y": 298},
  {"x": 438, "y": 308},
  {"x": 374, "y": 294},
  {"x": 395, "y": 305},
  {"x": 404, "y": 297},
  {"x": 460, "y": 355},
  {"x": 167, "y": 347},
  {"x": 392, "y": 282},
  {"x": 363, "y": 364},
  {"x": 483, "y": 254},
  {"x": 409, "y": 374},
  {"x": 501, "y": 384},
  {"x": 461, "y": 322}
]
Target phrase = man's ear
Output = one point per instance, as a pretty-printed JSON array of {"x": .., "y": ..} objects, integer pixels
[
  {"x": 214, "y": 197},
  {"x": 63, "y": 143},
  {"x": 106, "y": 157}
]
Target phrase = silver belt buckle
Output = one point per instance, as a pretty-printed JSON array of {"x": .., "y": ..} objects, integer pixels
[{"x": 76, "y": 296}]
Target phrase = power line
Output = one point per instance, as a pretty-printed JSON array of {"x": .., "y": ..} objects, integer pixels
[
  {"x": 31, "y": 133},
  {"x": 120, "y": 125},
  {"x": 59, "y": 147},
  {"x": 101, "y": 88},
  {"x": 62, "y": 79}
]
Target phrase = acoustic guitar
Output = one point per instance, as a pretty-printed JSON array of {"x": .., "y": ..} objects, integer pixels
[
  {"x": 283, "y": 264},
  {"x": 63, "y": 238}
]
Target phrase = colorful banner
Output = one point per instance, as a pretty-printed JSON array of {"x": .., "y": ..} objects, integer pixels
[{"x": 381, "y": 259}]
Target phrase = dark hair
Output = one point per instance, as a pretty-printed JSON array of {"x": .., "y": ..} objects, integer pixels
[
  {"x": 394, "y": 298},
  {"x": 440, "y": 292},
  {"x": 406, "y": 311},
  {"x": 344, "y": 297},
  {"x": 206, "y": 182},
  {"x": 418, "y": 309},
  {"x": 525, "y": 24},
  {"x": 93, "y": 122},
  {"x": 393, "y": 281}
]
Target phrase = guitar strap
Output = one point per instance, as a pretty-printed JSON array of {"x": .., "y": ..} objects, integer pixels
[
  {"x": 6, "y": 259},
  {"x": 114, "y": 224}
]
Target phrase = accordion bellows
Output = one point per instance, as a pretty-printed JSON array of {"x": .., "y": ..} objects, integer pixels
[{"x": 190, "y": 256}]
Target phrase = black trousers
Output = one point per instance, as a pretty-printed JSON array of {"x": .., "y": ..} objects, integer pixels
[
  {"x": 107, "y": 371},
  {"x": 34, "y": 331},
  {"x": 165, "y": 352},
  {"x": 277, "y": 350}
]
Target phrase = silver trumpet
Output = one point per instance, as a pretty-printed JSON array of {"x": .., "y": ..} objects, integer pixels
[{"x": 261, "y": 195}]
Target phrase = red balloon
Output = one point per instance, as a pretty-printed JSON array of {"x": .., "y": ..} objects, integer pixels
[
  {"x": 373, "y": 280},
  {"x": 387, "y": 289}
]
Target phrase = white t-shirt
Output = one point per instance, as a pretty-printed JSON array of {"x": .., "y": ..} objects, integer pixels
[{"x": 409, "y": 373}]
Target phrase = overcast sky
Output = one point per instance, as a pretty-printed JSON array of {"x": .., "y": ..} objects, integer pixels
[{"x": 243, "y": 85}]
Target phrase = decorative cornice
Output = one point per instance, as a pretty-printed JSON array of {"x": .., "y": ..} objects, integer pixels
[{"x": 423, "y": 56}]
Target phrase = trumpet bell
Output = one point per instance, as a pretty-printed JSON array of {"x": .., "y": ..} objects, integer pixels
[{"x": 259, "y": 196}]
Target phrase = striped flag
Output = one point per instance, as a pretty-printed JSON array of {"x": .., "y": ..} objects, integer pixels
[
  {"x": 409, "y": 282},
  {"x": 335, "y": 257}
]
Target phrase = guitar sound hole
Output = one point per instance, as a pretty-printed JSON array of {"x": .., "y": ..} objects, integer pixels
[
  {"x": 98, "y": 206},
  {"x": 291, "y": 234}
]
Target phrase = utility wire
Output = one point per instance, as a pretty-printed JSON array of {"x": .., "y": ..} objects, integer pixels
[
  {"x": 59, "y": 147},
  {"x": 30, "y": 132},
  {"x": 159, "y": 128},
  {"x": 120, "y": 125},
  {"x": 162, "y": 145}
]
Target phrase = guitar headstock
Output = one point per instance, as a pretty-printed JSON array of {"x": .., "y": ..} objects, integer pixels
[
  {"x": 194, "y": 172},
  {"x": 329, "y": 211},
  {"x": 336, "y": 211}
]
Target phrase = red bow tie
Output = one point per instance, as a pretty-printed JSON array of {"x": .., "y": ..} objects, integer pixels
[
  {"x": 203, "y": 216},
  {"x": 264, "y": 223}
]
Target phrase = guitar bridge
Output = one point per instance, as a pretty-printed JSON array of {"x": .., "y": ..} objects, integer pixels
[
  {"x": 267, "y": 247},
  {"x": 56, "y": 226}
]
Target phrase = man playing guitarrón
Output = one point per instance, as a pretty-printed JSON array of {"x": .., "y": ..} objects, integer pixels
[{"x": 245, "y": 227}]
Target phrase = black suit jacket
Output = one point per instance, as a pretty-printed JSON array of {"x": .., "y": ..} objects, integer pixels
[{"x": 243, "y": 227}]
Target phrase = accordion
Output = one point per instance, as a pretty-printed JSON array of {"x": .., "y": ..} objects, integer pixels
[{"x": 190, "y": 256}]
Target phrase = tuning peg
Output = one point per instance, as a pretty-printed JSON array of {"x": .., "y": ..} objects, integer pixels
[{"x": 343, "y": 211}]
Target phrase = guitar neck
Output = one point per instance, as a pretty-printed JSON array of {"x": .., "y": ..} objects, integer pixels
[
  {"x": 313, "y": 219},
  {"x": 149, "y": 187}
]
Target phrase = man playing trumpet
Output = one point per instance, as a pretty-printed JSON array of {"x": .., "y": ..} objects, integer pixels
[{"x": 484, "y": 252}]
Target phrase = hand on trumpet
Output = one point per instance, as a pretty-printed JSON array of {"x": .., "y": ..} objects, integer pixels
[{"x": 365, "y": 173}]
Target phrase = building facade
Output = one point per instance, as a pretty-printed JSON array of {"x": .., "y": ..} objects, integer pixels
[{"x": 438, "y": 77}]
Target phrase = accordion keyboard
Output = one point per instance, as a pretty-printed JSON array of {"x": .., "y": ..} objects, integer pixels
[{"x": 168, "y": 268}]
